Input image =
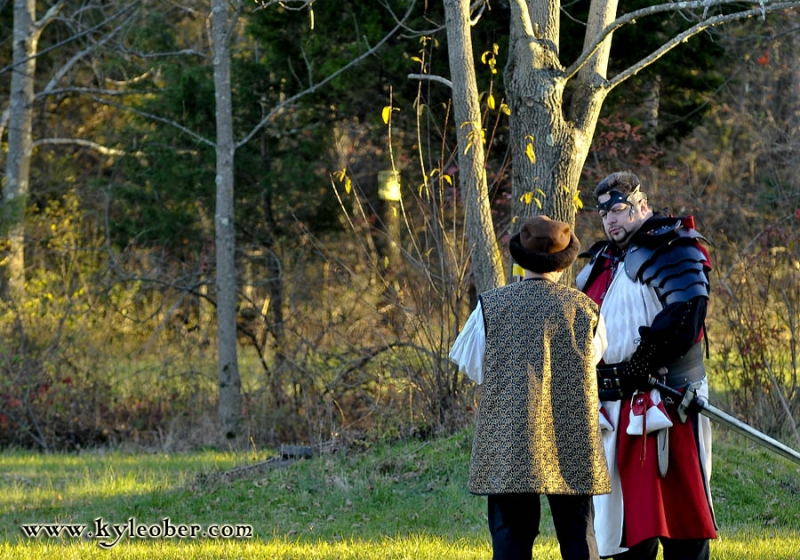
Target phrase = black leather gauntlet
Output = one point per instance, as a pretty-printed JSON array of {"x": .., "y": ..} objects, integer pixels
[{"x": 642, "y": 365}]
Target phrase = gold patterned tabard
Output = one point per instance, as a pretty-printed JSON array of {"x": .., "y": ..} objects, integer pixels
[{"x": 537, "y": 429}]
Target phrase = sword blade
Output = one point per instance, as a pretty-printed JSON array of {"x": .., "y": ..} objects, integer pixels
[
  {"x": 707, "y": 409},
  {"x": 690, "y": 398}
]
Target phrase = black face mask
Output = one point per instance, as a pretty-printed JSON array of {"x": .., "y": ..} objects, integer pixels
[{"x": 617, "y": 198}]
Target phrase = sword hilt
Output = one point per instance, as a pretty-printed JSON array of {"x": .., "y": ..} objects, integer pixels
[
  {"x": 688, "y": 401},
  {"x": 691, "y": 402}
]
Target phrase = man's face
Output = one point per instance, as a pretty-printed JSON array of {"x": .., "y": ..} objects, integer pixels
[{"x": 622, "y": 220}]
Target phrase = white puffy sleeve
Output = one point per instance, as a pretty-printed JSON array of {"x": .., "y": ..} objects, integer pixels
[
  {"x": 468, "y": 349},
  {"x": 600, "y": 339}
]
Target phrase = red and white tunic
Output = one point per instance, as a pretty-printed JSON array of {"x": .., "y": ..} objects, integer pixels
[{"x": 643, "y": 505}]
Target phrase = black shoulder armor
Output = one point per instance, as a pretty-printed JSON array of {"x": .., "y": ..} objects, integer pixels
[{"x": 677, "y": 267}]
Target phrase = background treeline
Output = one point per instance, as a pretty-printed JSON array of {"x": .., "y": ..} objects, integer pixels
[{"x": 348, "y": 300}]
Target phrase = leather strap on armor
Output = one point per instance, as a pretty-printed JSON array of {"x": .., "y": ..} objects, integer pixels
[{"x": 686, "y": 369}]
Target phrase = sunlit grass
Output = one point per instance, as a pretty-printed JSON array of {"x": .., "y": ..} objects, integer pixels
[
  {"x": 54, "y": 488},
  {"x": 60, "y": 479},
  {"x": 413, "y": 547},
  {"x": 406, "y": 501}
]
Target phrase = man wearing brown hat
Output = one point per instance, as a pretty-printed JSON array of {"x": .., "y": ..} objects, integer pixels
[{"x": 534, "y": 345}]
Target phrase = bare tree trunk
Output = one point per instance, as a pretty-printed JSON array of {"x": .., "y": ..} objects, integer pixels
[
  {"x": 546, "y": 172},
  {"x": 20, "y": 143},
  {"x": 550, "y": 144},
  {"x": 535, "y": 88},
  {"x": 794, "y": 103},
  {"x": 229, "y": 408},
  {"x": 650, "y": 108},
  {"x": 18, "y": 117},
  {"x": 487, "y": 266}
]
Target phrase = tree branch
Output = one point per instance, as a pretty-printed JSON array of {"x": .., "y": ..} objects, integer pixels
[
  {"x": 66, "y": 67},
  {"x": 86, "y": 144},
  {"x": 671, "y": 7},
  {"x": 49, "y": 89},
  {"x": 197, "y": 137},
  {"x": 439, "y": 79},
  {"x": 287, "y": 4},
  {"x": 691, "y": 32},
  {"x": 95, "y": 91},
  {"x": 68, "y": 40},
  {"x": 237, "y": 12},
  {"x": 144, "y": 56},
  {"x": 49, "y": 15},
  {"x": 314, "y": 87}
]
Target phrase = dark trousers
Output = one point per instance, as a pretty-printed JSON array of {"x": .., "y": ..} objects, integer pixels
[
  {"x": 514, "y": 524},
  {"x": 694, "y": 549}
]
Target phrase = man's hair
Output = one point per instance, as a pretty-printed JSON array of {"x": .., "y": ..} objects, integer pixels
[{"x": 623, "y": 182}]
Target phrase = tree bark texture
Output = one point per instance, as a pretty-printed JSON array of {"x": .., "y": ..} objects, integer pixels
[
  {"x": 487, "y": 265},
  {"x": 550, "y": 142},
  {"x": 229, "y": 408}
]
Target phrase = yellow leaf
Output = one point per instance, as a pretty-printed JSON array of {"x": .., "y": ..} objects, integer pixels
[
  {"x": 530, "y": 153},
  {"x": 538, "y": 203},
  {"x": 448, "y": 179},
  {"x": 348, "y": 185},
  {"x": 385, "y": 262},
  {"x": 576, "y": 200},
  {"x": 416, "y": 59},
  {"x": 485, "y": 56},
  {"x": 387, "y": 112},
  {"x": 526, "y": 198},
  {"x": 505, "y": 109},
  {"x": 490, "y": 101},
  {"x": 495, "y": 48}
]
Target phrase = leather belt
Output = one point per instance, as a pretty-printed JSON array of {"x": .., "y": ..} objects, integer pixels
[{"x": 686, "y": 369}]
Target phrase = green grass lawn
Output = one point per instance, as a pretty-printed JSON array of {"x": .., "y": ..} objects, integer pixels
[{"x": 406, "y": 500}]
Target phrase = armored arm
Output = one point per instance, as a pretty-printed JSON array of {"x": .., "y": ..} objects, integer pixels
[
  {"x": 673, "y": 332},
  {"x": 678, "y": 272}
]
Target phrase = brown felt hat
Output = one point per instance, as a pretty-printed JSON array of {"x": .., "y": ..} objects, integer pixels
[{"x": 544, "y": 245}]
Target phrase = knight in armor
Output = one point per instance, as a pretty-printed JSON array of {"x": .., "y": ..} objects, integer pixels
[
  {"x": 650, "y": 278},
  {"x": 534, "y": 346}
]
